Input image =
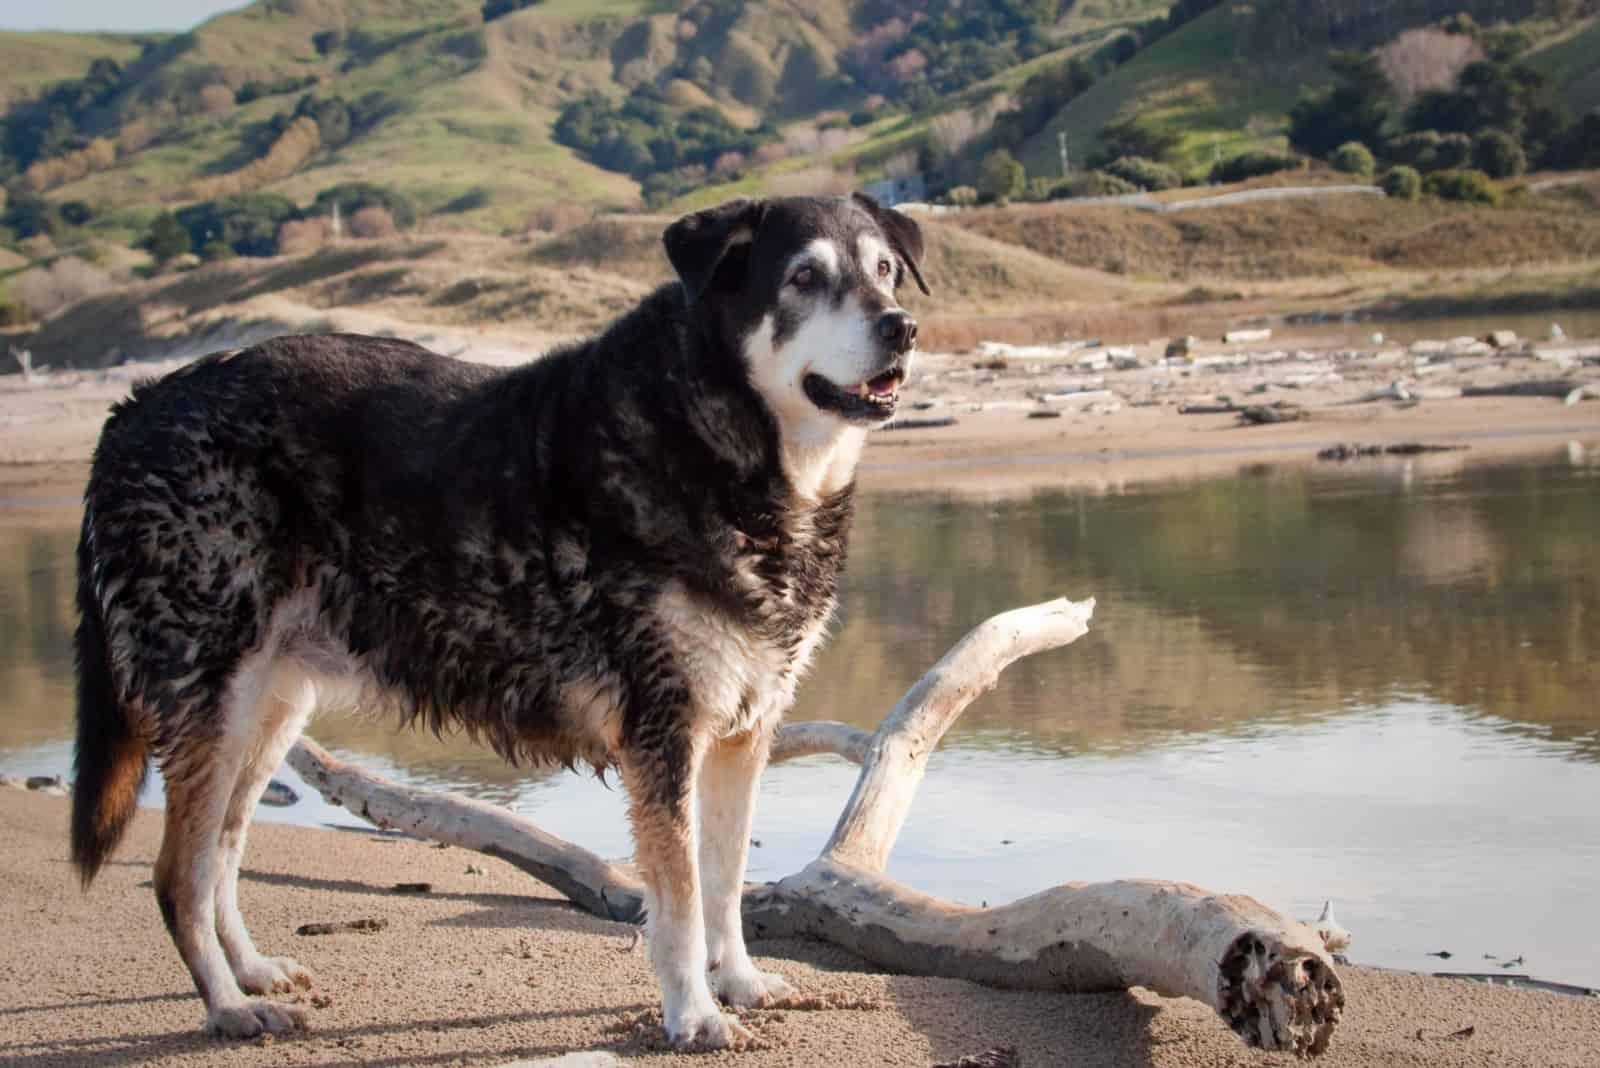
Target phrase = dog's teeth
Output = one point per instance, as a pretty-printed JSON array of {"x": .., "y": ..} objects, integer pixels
[{"x": 863, "y": 390}]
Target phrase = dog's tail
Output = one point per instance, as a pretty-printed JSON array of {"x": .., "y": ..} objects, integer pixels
[{"x": 111, "y": 759}]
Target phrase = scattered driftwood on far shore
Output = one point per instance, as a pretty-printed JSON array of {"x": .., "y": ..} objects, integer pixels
[{"x": 1404, "y": 448}]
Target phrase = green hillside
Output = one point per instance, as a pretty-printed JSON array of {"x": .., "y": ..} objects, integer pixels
[
  {"x": 1226, "y": 80},
  {"x": 484, "y": 115},
  {"x": 33, "y": 60}
]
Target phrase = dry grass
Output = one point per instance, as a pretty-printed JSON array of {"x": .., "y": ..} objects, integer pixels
[{"x": 1294, "y": 239}]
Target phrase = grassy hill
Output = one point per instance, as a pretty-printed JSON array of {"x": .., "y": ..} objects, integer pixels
[
  {"x": 464, "y": 116},
  {"x": 1227, "y": 86},
  {"x": 33, "y": 60}
]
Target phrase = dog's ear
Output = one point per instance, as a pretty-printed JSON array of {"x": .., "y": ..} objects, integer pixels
[
  {"x": 904, "y": 235},
  {"x": 698, "y": 243}
]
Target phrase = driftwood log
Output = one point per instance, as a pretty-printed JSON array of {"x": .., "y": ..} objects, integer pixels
[{"x": 1270, "y": 978}]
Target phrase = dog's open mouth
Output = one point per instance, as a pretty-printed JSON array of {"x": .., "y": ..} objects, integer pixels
[{"x": 867, "y": 401}]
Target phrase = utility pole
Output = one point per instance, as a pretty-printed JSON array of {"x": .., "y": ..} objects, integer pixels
[
  {"x": 338, "y": 228},
  {"x": 1061, "y": 141}
]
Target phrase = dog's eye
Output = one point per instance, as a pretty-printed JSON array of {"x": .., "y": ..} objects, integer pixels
[
  {"x": 804, "y": 278},
  {"x": 885, "y": 268}
]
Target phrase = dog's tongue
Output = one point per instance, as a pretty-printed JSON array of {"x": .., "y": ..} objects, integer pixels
[{"x": 887, "y": 382}]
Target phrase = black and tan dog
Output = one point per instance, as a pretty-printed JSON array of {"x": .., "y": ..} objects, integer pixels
[{"x": 623, "y": 554}]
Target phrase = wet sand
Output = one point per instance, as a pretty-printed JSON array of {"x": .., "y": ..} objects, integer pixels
[{"x": 493, "y": 967}]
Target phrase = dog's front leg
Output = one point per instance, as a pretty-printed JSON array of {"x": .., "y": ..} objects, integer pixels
[
  {"x": 660, "y": 779},
  {"x": 729, "y": 780}
]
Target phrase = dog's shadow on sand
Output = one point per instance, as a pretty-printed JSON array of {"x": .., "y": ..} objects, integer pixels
[{"x": 508, "y": 911}]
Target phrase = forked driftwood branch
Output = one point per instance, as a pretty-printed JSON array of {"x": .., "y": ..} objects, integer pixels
[{"x": 1269, "y": 977}]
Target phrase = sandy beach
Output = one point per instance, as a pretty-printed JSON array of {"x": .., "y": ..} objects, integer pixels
[
  {"x": 490, "y": 968},
  {"x": 1031, "y": 418}
]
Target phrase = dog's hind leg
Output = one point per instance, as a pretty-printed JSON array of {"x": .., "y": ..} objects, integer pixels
[
  {"x": 660, "y": 778},
  {"x": 285, "y": 703},
  {"x": 201, "y": 771},
  {"x": 729, "y": 780}
]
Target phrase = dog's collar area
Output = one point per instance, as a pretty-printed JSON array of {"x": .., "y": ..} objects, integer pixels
[{"x": 867, "y": 401}]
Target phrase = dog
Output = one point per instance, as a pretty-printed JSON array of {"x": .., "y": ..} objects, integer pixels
[{"x": 623, "y": 554}]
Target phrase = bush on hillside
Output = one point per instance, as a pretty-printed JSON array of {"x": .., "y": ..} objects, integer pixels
[
  {"x": 246, "y": 224},
  {"x": 372, "y": 223},
  {"x": 1402, "y": 183},
  {"x": 962, "y": 196},
  {"x": 1453, "y": 152},
  {"x": 1253, "y": 165},
  {"x": 27, "y": 215},
  {"x": 1355, "y": 158},
  {"x": 1144, "y": 173},
  {"x": 166, "y": 239},
  {"x": 1136, "y": 137},
  {"x": 354, "y": 196},
  {"x": 1498, "y": 154},
  {"x": 1091, "y": 184},
  {"x": 1002, "y": 177},
  {"x": 1467, "y": 186}
]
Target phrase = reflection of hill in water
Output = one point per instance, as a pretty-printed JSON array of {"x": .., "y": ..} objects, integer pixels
[
  {"x": 1279, "y": 597},
  {"x": 1291, "y": 594}
]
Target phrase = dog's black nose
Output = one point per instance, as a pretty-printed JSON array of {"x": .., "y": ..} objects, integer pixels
[{"x": 897, "y": 330}]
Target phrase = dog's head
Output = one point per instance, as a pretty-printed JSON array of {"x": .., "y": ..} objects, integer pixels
[{"x": 803, "y": 289}]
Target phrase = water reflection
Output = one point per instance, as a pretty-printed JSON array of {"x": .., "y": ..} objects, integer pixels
[{"x": 1373, "y": 683}]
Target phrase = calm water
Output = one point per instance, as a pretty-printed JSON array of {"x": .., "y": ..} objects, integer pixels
[{"x": 1376, "y": 684}]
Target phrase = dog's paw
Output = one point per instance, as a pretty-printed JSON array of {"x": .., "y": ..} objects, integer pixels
[
  {"x": 710, "y": 1029},
  {"x": 254, "y": 1017},
  {"x": 271, "y": 975},
  {"x": 749, "y": 988}
]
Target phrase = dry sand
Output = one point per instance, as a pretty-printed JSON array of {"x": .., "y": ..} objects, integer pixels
[{"x": 493, "y": 967}]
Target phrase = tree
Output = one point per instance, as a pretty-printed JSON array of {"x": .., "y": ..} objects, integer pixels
[
  {"x": 1144, "y": 174},
  {"x": 1137, "y": 137},
  {"x": 1001, "y": 176},
  {"x": 1468, "y": 186},
  {"x": 1498, "y": 154},
  {"x": 1402, "y": 183},
  {"x": 1353, "y": 157},
  {"x": 166, "y": 239},
  {"x": 1356, "y": 109}
]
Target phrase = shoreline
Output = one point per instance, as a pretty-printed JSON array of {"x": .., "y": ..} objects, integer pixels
[
  {"x": 999, "y": 452},
  {"x": 489, "y": 968}
]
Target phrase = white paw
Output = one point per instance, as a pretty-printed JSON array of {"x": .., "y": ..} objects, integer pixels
[
  {"x": 254, "y": 1017},
  {"x": 712, "y": 1029},
  {"x": 271, "y": 975},
  {"x": 749, "y": 987}
]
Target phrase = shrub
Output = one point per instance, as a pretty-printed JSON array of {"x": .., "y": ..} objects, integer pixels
[
  {"x": 1144, "y": 173},
  {"x": 1092, "y": 184},
  {"x": 1419, "y": 149},
  {"x": 76, "y": 212},
  {"x": 1402, "y": 182},
  {"x": 353, "y": 196},
  {"x": 962, "y": 196},
  {"x": 1453, "y": 152},
  {"x": 372, "y": 222},
  {"x": 1353, "y": 157},
  {"x": 1472, "y": 187},
  {"x": 246, "y": 224},
  {"x": 1138, "y": 137},
  {"x": 166, "y": 238},
  {"x": 1001, "y": 176},
  {"x": 1253, "y": 165},
  {"x": 1498, "y": 154}
]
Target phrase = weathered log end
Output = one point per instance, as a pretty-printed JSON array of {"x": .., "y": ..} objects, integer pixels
[{"x": 1278, "y": 998}]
